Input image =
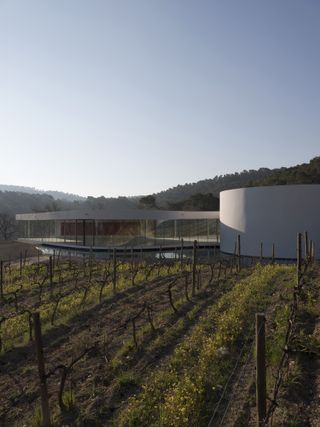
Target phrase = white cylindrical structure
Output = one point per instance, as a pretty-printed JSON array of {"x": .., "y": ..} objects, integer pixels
[{"x": 271, "y": 215}]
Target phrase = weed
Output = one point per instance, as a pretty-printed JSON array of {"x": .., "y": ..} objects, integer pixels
[
  {"x": 68, "y": 399},
  {"x": 127, "y": 378},
  {"x": 37, "y": 420}
]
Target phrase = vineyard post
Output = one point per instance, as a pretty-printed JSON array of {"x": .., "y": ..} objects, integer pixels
[
  {"x": 219, "y": 271},
  {"x": 194, "y": 267},
  {"x": 239, "y": 252},
  {"x": 181, "y": 254},
  {"x": 260, "y": 369},
  {"x": 306, "y": 246},
  {"x": 131, "y": 252},
  {"x": 312, "y": 251},
  {"x": 298, "y": 257},
  {"x": 186, "y": 286},
  {"x": 134, "y": 332},
  {"x": 310, "y": 247},
  {"x": 51, "y": 273},
  {"x": 41, "y": 369},
  {"x": 114, "y": 278},
  {"x": 149, "y": 313},
  {"x": 90, "y": 263},
  {"x": 261, "y": 251},
  {"x": 20, "y": 265},
  {"x": 1, "y": 279},
  {"x": 25, "y": 257},
  {"x": 273, "y": 253}
]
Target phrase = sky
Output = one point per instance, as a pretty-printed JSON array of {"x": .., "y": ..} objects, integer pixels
[{"x": 131, "y": 97}]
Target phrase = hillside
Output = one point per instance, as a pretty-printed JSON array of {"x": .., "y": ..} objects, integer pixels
[
  {"x": 306, "y": 173},
  {"x": 13, "y": 202},
  {"x": 181, "y": 193},
  {"x": 199, "y": 201},
  {"x": 31, "y": 190}
]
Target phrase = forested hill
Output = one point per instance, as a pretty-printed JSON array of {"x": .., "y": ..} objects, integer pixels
[
  {"x": 212, "y": 186},
  {"x": 13, "y": 202},
  {"x": 184, "y": 195},
  {"x": 31, "y": 190},
  {"x": 306, "y": 173}
]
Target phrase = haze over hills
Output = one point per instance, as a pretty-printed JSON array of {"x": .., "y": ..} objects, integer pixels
[
  {"x": 201, "y": 195},
  {"x": 31, "y": 190}
]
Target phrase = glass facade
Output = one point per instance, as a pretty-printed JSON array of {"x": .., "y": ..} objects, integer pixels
[{"x": 111, "y": 233}]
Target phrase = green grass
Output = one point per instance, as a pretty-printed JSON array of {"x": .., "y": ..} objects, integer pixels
[{"x": 177, "y": 394}]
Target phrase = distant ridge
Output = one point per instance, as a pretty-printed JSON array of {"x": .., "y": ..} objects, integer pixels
[
  {"x": 212, "y": 186},
  {"x": 57, "y": 195},
  {"x": 201, "y": 195},
  {"x": 305, "y": 173}
]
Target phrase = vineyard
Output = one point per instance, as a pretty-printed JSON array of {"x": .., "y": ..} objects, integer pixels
[{"x": 147, "y": 342}]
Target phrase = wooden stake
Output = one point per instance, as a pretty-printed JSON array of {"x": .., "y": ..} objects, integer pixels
[
  {"x": 298, "y": 257},
  {"x": 260, "y": 369},
  {"x": 20, "y": 266},
  {"x": 181, "y": 255},
  {"x": 51, "y": 273},
  {"x": 41, "y": 369},
  {"x": 114, "y": 277},
  {"x": 306, "y": 246},
  {"x": 239, "y": 252},
  {"x": 194, "y": 267},
  {"x": 273, "y": 253},
  {"x": 312, "y": 251}
]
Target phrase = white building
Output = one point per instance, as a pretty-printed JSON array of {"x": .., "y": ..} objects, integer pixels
[{"x": 271, "y": 215}]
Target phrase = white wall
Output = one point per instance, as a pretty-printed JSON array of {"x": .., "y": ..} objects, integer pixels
[{"x": 270, "y": 215}]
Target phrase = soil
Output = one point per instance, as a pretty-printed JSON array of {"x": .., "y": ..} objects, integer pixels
[{"x": 11, "y": 250}]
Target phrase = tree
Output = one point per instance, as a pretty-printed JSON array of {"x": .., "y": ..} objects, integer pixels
[
  {"x": 148, "y": 201},
  {"x": 7, "y": 226}
]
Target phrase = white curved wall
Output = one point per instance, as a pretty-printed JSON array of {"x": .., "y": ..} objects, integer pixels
[{"x": 269, "y": 215}]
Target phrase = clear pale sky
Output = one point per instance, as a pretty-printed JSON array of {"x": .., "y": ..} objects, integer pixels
[{"x": 132, "y": 97}]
